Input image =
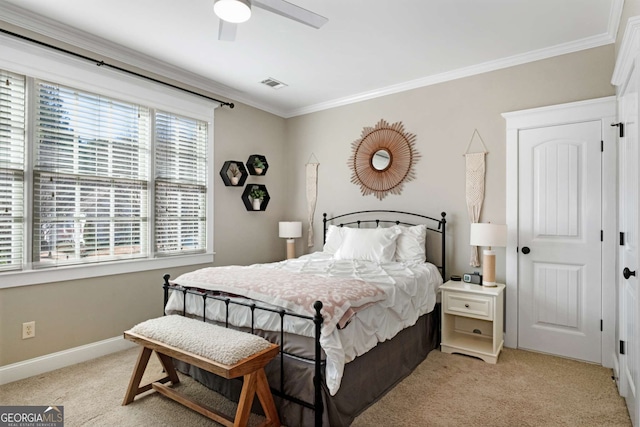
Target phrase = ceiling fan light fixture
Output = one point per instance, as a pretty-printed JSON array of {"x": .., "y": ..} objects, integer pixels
[{"x": 234, "y": 11}]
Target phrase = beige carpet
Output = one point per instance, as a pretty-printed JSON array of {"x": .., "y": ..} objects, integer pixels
[{"x": 523, "y": 389}]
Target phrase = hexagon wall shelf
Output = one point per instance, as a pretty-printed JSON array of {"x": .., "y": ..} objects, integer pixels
[
  {"x": 248, "y": 201},
  {"x": 225, "y": 174},
  {"x": 253, "y": 170}
]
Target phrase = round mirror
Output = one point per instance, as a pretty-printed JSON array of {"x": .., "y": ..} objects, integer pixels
[{"x": 381, "y": 160}]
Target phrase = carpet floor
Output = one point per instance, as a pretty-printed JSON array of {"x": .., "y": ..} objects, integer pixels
[{"x": 522, "y": 389}]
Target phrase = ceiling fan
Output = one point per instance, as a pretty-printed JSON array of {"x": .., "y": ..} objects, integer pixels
[{"x": 234, "y": 12}]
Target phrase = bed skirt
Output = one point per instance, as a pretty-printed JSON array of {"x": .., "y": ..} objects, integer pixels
[{"x": 365, "y": 380}]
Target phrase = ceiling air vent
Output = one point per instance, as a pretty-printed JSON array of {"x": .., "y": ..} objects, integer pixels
[{"x": 273, "y": 83}]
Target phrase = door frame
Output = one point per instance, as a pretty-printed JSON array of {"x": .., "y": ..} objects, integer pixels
[{"x": 603, "y": 110}]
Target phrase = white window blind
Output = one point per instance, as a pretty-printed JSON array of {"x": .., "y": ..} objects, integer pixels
[
  {"x": 181, "y": 184},
  {"x": 12, "y": 139},
  {"x": 91, "y": 175}
]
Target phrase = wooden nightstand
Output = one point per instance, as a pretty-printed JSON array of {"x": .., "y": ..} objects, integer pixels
[{"x": 472, "y": 320}]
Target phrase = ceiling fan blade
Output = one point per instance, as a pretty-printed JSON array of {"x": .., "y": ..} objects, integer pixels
[
  {"x": 291, "y": 11},
  {"x": 227, "y": 31}
]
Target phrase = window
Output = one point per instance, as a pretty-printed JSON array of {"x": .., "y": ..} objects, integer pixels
[
  {"x": 12, "y": 149},
  {"x": 180, "y": 188},
  {"x": 90, "y": 178},
  {"x": 100, "y": 178}
]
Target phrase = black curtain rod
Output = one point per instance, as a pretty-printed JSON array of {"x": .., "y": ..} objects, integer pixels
[{"x": 115, "y": 67}]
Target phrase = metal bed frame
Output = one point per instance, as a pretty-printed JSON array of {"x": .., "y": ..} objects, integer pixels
[{"x": 317, "y": 319}]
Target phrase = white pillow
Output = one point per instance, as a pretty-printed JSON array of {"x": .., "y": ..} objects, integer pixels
[
  {"x": 411, "y": 245},
  {"x": 333, "y": 239},
  {"x": 368, "y": 244}
]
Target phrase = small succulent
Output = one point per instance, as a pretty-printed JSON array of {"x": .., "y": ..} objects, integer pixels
[
  {"x": 257, "y": 193},
  {"x": 258, "y": 163},
  {"x": 234, "y": 170}
]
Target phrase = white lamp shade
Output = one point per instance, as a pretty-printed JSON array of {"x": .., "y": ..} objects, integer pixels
[
  {"x": 290, "y": 229},
  {"x": 485, "y": 234},
  {"x": 235, "y": 11}
]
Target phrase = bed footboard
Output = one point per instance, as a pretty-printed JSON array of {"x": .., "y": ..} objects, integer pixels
[{"x": 318, "y": 380}]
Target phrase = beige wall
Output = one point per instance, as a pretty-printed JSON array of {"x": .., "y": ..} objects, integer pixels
[{"x": 443, "y": 117}]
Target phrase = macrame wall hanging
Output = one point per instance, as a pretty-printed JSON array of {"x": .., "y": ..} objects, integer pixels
[
  {"x": 475, "y": 168},
  {"x": 312, "y": 194}
]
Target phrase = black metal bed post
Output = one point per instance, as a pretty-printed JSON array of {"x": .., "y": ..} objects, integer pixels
[
  {"x": 166, "y": 291},
  {"x": 324, "y": 228},
  {"x": 444, "y": 253},
  {"x": 317, "y": 379}
]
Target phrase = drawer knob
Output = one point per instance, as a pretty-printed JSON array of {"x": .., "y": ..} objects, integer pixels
[{"x": 466, "y": 306}]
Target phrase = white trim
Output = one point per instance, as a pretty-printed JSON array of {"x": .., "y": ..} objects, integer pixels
[
  {"x": 627, "y": 53},
  {"x": 62, "y": 359},
  {"x": 615, "y": 14},
  {"x": 604, "y": 110},
  {"x": 11, "y": 279}
]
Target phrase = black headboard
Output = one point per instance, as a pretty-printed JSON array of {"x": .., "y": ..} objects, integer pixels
[{"x": 374, "y": 218}]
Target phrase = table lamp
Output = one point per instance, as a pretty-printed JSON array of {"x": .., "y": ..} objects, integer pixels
[
  {"x": 290, "y": 230},
  {"x": 486, "y": 234}
]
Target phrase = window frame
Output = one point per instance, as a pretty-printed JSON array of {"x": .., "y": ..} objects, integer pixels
[{"x": 36, "y": 62}]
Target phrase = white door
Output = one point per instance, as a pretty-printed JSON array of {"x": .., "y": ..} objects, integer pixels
[
  {"x": 628, "y": 254},
  {"x": 559, "y": 239}
]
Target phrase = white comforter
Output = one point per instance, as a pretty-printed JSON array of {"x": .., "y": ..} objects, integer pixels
[{"x": 410, "y": 291}]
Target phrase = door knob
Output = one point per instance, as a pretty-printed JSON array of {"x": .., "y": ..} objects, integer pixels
[
  {"x": 628, "y": 273},
  {"x": 526, "y": 250}
]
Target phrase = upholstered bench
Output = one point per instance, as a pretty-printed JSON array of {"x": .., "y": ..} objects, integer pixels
[{"x": 224, "y": 352}]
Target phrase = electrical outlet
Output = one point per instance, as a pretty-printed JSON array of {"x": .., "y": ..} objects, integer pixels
[{"x": 28, "y": 330}]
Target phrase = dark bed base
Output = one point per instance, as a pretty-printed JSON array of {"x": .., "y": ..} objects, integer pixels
[
  {"x": 302, "y": 396},
  {"x": 365, "y": 381}
]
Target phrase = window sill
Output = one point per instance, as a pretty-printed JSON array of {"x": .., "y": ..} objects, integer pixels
[{"x": 13, "y": 279}]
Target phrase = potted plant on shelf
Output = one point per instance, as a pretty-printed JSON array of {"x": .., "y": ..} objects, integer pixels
[
  {"x": 257, "y": 194},
  {"x": 258, "y": 165},
  {"x": 234, "y": 173}
]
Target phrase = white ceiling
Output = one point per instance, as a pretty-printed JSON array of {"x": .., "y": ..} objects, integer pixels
[{"x": 368, "y": 48}]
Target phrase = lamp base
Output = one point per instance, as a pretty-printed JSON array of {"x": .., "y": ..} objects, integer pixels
[
  {"x": 291, "y": 248},
  {"x": 489, "y": 268}
]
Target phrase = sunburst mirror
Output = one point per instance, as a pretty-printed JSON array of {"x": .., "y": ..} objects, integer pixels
[{"x": 382, "y": 159}]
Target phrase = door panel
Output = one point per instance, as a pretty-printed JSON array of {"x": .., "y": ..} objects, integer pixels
[
  {"x": 557, "y": 294},
  {"x": 560, "y": 221}
]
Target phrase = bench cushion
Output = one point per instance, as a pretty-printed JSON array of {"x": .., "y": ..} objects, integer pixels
[{"x": 222, "y": 345}]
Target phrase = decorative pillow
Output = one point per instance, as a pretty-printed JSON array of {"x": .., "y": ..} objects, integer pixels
[
  {"x": 333, "y": 239},
  {"x": 411, "y": 245},
  {"x": 368, "y": 244}
]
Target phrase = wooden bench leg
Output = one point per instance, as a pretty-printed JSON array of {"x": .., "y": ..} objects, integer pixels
[
  {"x": 256, "y": 382},
  {"x": 246, "y": 399},
  {"x": 136, "y": 376},
  {"x": 134, "y": 388},
  {"x": 167, "y": 364},
  {"x": 266, "y": 400}
]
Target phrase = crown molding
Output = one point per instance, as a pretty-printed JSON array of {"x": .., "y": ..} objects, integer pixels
[
  {"x": 628, "y": 51},
  {"x": 615, "y": 15},
  {"x": 536, "y": 55}
]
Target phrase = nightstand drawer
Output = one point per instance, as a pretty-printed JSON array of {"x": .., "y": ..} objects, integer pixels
[{"x": 468, "y": 305}]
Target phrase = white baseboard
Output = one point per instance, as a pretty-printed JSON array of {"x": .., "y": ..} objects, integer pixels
[{"x": 61, "y": 359}]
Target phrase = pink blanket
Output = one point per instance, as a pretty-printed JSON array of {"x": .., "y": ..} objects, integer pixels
[{"x": 294, "y": 291}]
